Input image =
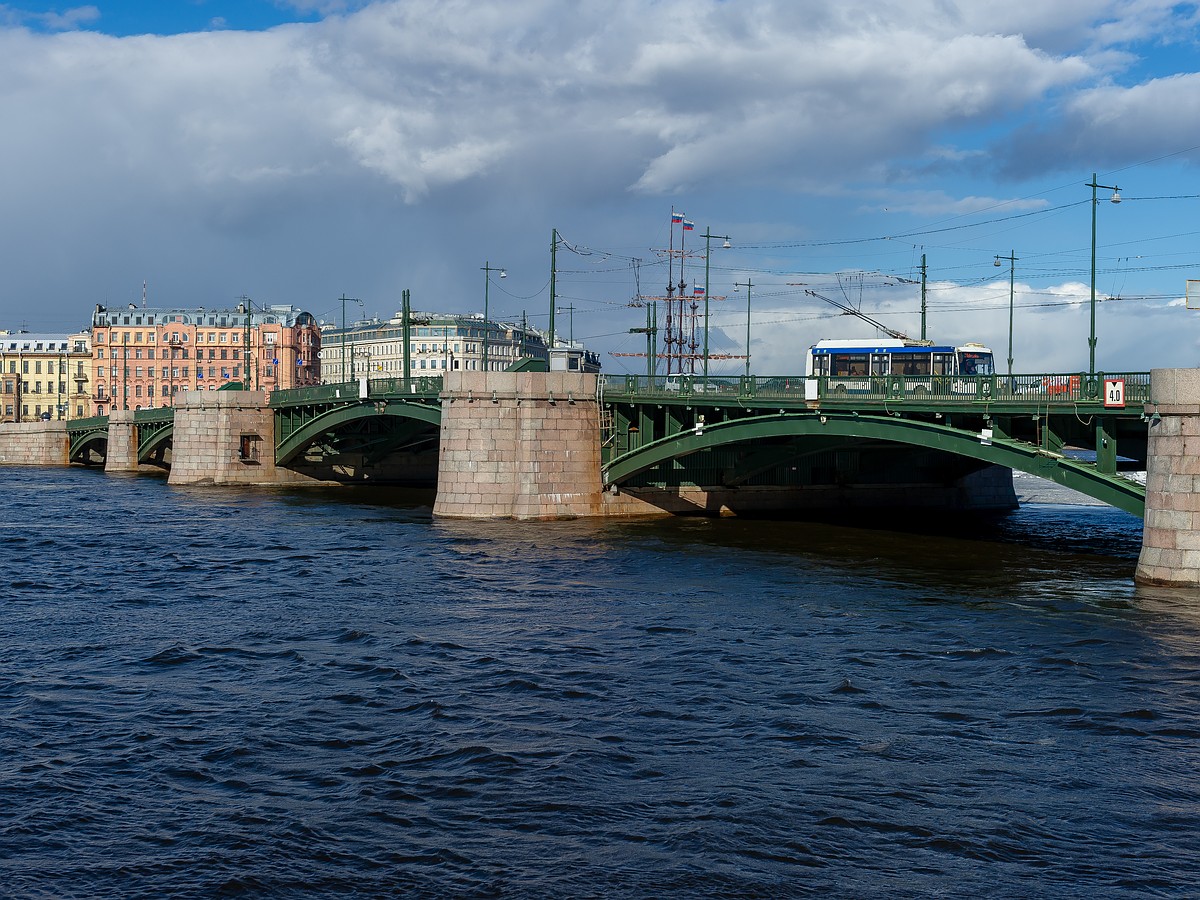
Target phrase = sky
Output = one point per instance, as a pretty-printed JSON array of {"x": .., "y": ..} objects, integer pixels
[{"x": 297, "y": 152}]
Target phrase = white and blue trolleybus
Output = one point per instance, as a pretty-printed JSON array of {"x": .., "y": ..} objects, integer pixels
[{"x": 856, "y": 366}]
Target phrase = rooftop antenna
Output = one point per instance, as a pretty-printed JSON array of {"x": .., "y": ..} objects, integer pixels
[{"x": 143, "y": 294}]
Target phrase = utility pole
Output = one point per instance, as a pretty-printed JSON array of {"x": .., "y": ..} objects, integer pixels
[
  {"x": 553, "y": 286},
  {"x": 708, "y": 236},
  {"x": 924, "y": 274},
  {"x": 246, "y": 347},
  {"x": 405, "y": 317}
]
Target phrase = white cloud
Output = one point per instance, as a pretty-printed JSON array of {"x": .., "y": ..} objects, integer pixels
[{"x": 384, "y": 143}]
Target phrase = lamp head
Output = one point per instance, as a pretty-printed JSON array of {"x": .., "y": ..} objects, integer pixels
[
  {"x": 997, "y": 262},
  {"x": 726, "y": 245},
  {"x": 1116, "y": 197},
  {"x": 503, "y": 273}
]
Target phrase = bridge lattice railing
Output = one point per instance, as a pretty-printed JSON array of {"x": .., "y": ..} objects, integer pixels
[{"x": 1023, "y": 390}]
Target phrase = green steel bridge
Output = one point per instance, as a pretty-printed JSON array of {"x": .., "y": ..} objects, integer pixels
[{"x": 1081, "y": 431}]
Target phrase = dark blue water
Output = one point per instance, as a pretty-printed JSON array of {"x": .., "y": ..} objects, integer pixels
[{"x": 208, "y": 692}]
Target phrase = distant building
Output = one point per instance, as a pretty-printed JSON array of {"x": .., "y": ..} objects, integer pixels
[
  {"x": 144, "y": 357},
  {"x": 572, "y": 356},
  {"x": 44, "y": 376},
  {"x": 438, "y": 342}
]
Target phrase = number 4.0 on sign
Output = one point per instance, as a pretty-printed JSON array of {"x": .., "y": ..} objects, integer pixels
[{"x": 1114, "y": 392}]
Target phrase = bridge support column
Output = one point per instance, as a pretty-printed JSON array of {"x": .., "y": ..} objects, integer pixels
[
  {"x": 519, "y": 445},
  {"x": 225, "y": 437},
  {"x": 122, "y": 454},
  {"x": 1171, "y": 534}
]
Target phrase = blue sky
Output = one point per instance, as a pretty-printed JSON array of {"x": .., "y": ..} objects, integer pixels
[
  {"x": 163, "y": 17},
  {"x": 296, "y": 151}
]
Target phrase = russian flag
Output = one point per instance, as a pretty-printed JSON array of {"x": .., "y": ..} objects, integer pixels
[
  {"x": 688, "y": 226},
  {"x": 697, "y": 291},
  {"x": 676, "y": 218}
]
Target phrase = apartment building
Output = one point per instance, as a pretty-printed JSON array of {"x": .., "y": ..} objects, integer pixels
[
  {"x": 44, "y": 376},
  {"x": 144, "y": 357},
  {"x": 438, "y": 342}
]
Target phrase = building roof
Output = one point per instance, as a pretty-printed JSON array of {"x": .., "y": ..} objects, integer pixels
[
  {"x": 24, "y": 342},
  {"x": 201, "y": 317}
]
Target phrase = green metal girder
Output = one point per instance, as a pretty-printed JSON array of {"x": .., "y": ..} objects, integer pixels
[
  {"x": 339, "y": 416},
  {"x": 81, "y": 439},
  {"x": 1079, "y": 476},
  {"x": 152, "y": 438},
  {"x": 763, "y": 459}
]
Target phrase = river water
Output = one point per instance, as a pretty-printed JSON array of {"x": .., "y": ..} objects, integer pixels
[{"x": 210, "y": 692}]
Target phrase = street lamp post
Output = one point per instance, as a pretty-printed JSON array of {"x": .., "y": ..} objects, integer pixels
[
  {"x": 1116, "y": 198},
  {"x": 345, "y": 332},
  {"x": 708, "y": 236},
  {"x": 570, "y": 311},
  {"x": 487, "y": 280},
  {"x": 1012, "y": 263},
  {"x": 747, "y": 284}
]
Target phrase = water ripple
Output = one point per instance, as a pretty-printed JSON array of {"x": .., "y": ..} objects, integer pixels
[{"x": 370, "y": 703}]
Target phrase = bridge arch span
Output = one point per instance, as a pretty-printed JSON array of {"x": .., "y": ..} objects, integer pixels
[
  {"x": 1018, "y": 455},
  {"x": 89, "y": 447},
  {"x": 339, "y": 417}
]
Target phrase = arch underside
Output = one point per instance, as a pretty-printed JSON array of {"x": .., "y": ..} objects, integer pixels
[
  {"x": 830, "y": 431},
  {"x": 374, "y": 432},
  {"x": 153, "y": 445},
  {"x": 87, "y": 443}
]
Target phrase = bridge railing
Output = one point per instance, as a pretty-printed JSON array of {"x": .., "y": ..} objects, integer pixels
[
  {"x": 423, "y": 386},
  {"x": 1023, "y": 390},
  {"x": 154, "y": 415}
]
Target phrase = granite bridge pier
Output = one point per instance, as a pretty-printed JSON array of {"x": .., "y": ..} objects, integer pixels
[{"x": 553, "y": 445}]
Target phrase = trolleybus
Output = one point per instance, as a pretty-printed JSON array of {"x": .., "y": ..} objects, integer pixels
[{"x": 850, "y": 366}]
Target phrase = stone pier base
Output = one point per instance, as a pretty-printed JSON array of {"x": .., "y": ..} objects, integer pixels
[
  {"x": 519, "y": 445},
  {"x": 1171, "y": 535},
  {"x": 122, "y": 455},
  {"x": 226, "y": 437}
]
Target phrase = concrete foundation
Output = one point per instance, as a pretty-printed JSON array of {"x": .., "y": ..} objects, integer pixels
[
  {"x": 1171, "y": 534},
  {"x": 35, "y": 444},
  {"x": 226, "y": 437},
  {"x": 519, "y": 445}
]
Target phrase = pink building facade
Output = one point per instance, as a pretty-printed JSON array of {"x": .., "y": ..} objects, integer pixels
[{"x": 143, "y": 358}]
